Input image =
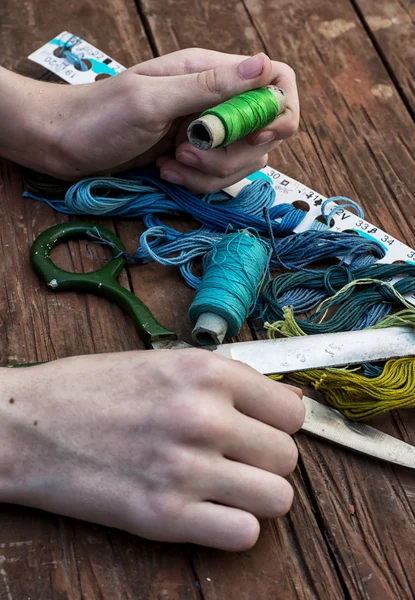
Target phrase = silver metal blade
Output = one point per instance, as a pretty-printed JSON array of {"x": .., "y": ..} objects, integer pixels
[
  {"x": 286, "y": 355},
  {"x": 327, "y": 423},
  {"x": 170, "y": 345}
]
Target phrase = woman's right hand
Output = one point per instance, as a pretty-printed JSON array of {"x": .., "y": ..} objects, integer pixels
[{"x": 180, "y": 446}]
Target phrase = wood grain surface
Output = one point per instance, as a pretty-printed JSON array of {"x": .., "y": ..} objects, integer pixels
[
  {"x": 390, "y": 25},
  {"x": 351, "y": 532}
]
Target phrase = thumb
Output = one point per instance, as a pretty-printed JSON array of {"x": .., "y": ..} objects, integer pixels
[{"x": 195, "y": 92}]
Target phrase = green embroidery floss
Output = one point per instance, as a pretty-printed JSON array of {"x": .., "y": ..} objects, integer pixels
[
  {"x": 359, "y": 397},
  {"x": 236, "y": 118}
]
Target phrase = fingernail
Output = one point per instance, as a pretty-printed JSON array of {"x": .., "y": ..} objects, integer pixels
[
  {"x": 265, "y": 137},
  {"x": 252, "y": 67},
  {"x": 172, "y": 177},
  {"x": 190, "y": 159}
]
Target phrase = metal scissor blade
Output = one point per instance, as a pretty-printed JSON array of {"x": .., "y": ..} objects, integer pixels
[
  {"x": 327, "y": 423},
  {"x": 285, "y": 355}
]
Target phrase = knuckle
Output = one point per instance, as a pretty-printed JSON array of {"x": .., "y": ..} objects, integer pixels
[
  {"x": 287, "y": 70},
  {"x": 284, "y": 499},
  {"x": 292, "y": 125},
  {"x": 190, "y": 56},
  {"x": 297, "y": 413},
  {"x": 214, "y": 370},
  {"x": 196, "y": 424},
  {"x": 291, "y": 459},
  {"x": 206, "y": 187},
  {"x": 192, "y": 362},
  {"x": 203, "y": 365},
  {"x": 209, "y": 81},
  {"x": 223, "y": 170},
  {"x": 263, "y": 161}
]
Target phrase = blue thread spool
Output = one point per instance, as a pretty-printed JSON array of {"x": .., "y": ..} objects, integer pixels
[{"x": 234, "y": 272}]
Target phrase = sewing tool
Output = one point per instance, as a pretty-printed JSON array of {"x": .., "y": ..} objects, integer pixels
[
  {"x": 101, "y": 282},
  {"x": 236, "y": 118},
  {"x": 324, "y": 350},
  {"x": 233, "y": 274},
  {"x": 321, "y": 421},
  {"x": 318, "y": 207}
]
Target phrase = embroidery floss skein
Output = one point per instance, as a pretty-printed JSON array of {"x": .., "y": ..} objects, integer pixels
[
  {"x": 233, "y": 273},
  {"x": 359, "y": 397},
  {"x": 143, "y": 193},
  {"x": 139, "y": 194},
  {"x": 236, "y": 118},
  {"x": 172, "y": 248},
  {"x": 300, "y": 292}
]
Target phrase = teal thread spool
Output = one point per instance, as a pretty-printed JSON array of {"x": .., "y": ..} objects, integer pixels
[
  {"x": 236, "y": 118},
  {"x": 234, "y": 272}
]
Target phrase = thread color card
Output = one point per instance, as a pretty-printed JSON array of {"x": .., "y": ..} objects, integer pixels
[
  {"x": 288, "y": 190},
  {"x": 74, "y": 60}
]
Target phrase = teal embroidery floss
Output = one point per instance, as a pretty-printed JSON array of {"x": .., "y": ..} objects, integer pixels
[
  {"x": 236, "y": 118},
  {"x": 234, "y": 271}
]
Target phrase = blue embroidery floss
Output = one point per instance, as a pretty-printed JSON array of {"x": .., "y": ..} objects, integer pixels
[{"x": 234, "y": 271}]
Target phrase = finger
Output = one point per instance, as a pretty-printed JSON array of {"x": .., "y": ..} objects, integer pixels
[
  {"x": 259, "y": 492},
  {"x": 295, "y": 389},
  {"x": 198, "y": 79},
  {"x": 224, "y": 162},
  {"x": 176, "y": 172},
  {"x": 196, "y": 92},
  {"x": 285, "y": 125},
  {"x": 189, "y": 60},
  {"x": 278, "y": 407},
  {"x": 219, "y": 527},
  {"x": 268, "y": 401},
  {"x": 260, "y": 445}
]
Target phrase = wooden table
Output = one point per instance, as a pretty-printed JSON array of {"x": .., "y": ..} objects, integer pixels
[{"x": 351, "y": 532}]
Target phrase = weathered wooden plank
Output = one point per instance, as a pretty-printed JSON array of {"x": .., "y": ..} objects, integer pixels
[
  {"x": 356, "y": 138},
  {"x": 391, "y": 25},
  {"x": 44, "y": 556},
  {"x": 231, "y": 571},
  {"x": 351, "y": 139},
  {"x": 289, "y": 561}
]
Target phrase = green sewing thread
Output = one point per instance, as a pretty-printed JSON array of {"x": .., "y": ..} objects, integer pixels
[
  {"x": 359, "y": 397},
  {"x": 245, "y": 113}
]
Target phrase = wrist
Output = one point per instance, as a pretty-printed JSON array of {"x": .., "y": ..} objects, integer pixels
[
  {"x": 13, "y": 423},
  {"x": 25, "y": 134}
]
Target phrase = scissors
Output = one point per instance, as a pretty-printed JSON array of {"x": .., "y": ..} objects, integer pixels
[{"x": 267, "y": 356}]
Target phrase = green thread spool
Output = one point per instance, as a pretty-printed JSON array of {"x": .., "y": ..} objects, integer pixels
[{"x": 236, "y": 118}]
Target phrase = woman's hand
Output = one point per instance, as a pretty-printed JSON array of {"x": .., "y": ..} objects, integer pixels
[
  {"x": 169, "y": 445},
  {"x": 141, "y": 116}
]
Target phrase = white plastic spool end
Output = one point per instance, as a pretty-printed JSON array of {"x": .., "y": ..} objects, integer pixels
[{"x": 209, "y": 329}]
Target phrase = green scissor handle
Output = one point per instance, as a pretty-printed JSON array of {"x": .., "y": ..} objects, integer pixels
[{"x": 102, "y": 282}]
